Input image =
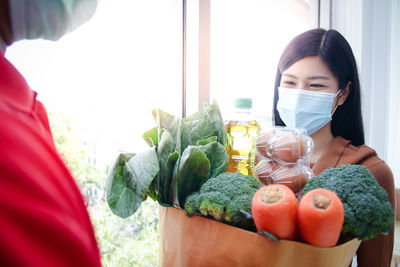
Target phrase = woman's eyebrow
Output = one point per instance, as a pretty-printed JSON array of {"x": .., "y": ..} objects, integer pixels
[{"x": 289, "y": 75}]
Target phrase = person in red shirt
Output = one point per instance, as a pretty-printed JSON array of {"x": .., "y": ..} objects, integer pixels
[{"x": 43, "y": 219}]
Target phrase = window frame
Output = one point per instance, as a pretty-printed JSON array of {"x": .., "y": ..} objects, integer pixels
[{"x": 321, "y": 17}]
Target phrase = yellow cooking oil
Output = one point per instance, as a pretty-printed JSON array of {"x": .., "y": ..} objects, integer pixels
[{"x": 242, "y": 130}]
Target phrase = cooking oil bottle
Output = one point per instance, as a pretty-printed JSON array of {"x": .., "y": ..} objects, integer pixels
[{"x": 242, "y": 129}]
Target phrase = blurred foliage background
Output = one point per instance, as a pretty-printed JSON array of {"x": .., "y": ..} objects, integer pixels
[{"x": 133, "y": 241}]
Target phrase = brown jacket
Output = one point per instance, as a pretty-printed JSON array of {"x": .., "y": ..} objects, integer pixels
[{"x": 377, "y": 251}]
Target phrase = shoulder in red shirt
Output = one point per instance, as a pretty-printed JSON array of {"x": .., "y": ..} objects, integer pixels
[{"x": 43, "y": 219}]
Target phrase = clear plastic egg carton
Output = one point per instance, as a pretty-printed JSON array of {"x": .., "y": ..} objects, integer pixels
[{"x": 283, "y": 156}]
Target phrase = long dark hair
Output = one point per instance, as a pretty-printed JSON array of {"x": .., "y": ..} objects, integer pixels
[{"x": 335, "y": 51}]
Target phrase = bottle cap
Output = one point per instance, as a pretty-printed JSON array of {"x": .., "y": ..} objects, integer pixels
[{"x": 243, "y": 103}]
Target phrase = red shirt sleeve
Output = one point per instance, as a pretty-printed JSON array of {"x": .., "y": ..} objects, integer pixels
[{"x": 43, "y": 220}]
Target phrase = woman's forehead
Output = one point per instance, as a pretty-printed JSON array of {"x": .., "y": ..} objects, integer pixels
[{"x": 312, "y": 67}]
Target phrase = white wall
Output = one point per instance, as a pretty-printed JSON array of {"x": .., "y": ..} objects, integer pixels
[
  {"x": 394, "y": 94},
  {"x": 372, "y": 29}
]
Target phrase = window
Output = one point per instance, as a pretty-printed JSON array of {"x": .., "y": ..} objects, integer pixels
[
  {"x": 100, "y": 82},
  {"x": 246, "y": 41},
  {"x": 109, "y": 73}
]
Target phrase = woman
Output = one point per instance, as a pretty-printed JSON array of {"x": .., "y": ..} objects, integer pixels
[{"x": 317, "y": 88}]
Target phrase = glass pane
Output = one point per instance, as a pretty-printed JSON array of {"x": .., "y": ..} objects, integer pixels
[
  {"x": 99, "y": 84},
  {"x": 247, "y": 38},
  {"x": 109, "y": 73}
]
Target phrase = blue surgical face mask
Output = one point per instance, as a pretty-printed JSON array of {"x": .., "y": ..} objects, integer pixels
[
  {"x": 305, "y": 109},
  {"x": 48, "y": 19}
]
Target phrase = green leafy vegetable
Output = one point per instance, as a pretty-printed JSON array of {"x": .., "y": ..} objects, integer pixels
[
  {"x": 165, "y": 149},
  {"x": 201, "y": 125},
  {"x": 168, "y": 122},
  {"x": 190, "y": 173},
  {"x": 128, "y": 184},
  {"x": 217, "y": 156},
  {"x": 151, "y": 137},
  {"x": 166, "y": 183},
  {"x": 207, "y": 141},
  {"x": 185, "y": 153}
]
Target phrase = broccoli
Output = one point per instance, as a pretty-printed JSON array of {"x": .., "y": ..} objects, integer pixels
[
  {"x": 223, "y": 198},
  {"x": 367, "y": 210}
]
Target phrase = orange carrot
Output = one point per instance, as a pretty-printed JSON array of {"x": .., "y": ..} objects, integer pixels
[
  {"x": 320, "y": 217},
  {"x": 274, "y": 209}
]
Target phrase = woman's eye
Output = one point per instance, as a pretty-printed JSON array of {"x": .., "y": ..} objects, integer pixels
[
  {"x": 290, "y": 83},
  {"x": 316, "y": 85}
]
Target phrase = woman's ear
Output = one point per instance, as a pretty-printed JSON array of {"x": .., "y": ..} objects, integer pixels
[{"x": 342, "y": 96}]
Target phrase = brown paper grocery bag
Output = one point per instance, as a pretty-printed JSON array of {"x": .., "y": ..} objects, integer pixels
[{"x": 198, "y": 241}]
